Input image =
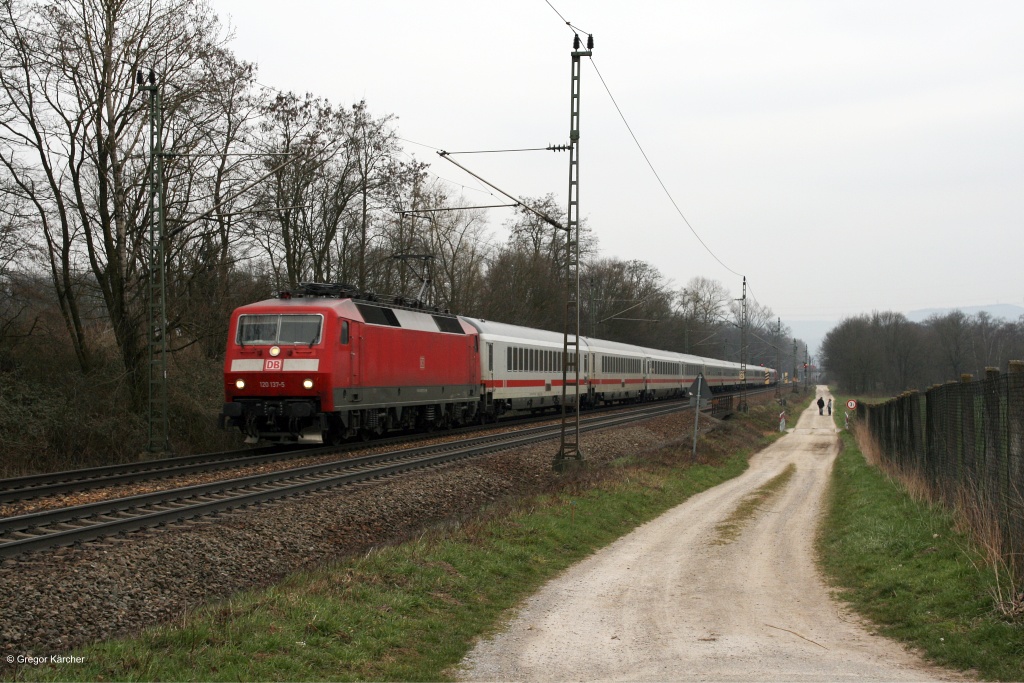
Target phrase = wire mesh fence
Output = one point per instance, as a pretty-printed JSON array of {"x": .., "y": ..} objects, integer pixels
[{"x": 965, "y": 443}]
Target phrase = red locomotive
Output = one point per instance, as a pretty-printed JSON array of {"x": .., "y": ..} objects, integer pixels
[
  {"x": 327, "y": 363},
  {"x": 318, "y": 363}
]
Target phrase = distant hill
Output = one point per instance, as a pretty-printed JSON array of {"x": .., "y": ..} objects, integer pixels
[{"x": 1005, "y": 311}]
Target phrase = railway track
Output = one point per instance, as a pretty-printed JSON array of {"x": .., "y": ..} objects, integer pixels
[
  {"x": 38, "y": 485},
  {"x": 72, "y": 481},
  {"x": 82, "y": 523}
]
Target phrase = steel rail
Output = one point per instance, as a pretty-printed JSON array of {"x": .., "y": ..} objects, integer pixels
[
  {"x": 67, "y": 526},
  {"x": 69, "y": 481},
  {"x": 33, "y": 486}
]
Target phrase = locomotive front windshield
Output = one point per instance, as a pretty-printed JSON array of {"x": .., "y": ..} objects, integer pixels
[{"x": 291, "y": 328}]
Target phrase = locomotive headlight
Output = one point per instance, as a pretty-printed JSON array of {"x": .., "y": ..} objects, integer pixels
[
  {"x": 275, "y": 351},
  {"x": 240, "y": 384},
  {"x": 307, "y": 383}
]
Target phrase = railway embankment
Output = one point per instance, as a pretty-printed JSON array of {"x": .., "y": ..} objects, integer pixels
[{"x": 54, "y": 601}]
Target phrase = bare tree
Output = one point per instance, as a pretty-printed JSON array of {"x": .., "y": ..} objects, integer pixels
[
  {"x": 953, "y": 341},
  {"x": 374, "y": 145},
  {"x": 851, "y": 354},
  {"x": 899, "y": 342},
  {"x": 305, "y": 199},
  {"x": 703, "y": 303},
  {"x": 72, "y": 141},
  {"x": 214, "y": 158}
]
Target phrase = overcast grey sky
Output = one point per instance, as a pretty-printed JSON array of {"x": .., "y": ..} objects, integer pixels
[{"x": 845, "y": 156}]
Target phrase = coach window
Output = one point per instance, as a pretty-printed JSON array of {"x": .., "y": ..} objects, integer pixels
[{"x": 344, "y": 332}]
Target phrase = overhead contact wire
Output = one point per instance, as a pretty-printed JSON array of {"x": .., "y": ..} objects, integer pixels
[{"x": 640, "y": 147}]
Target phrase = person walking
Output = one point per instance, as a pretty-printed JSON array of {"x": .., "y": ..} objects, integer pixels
[
  {"x": 821, "y": 406},
  {"x": 830, "y": 406}
]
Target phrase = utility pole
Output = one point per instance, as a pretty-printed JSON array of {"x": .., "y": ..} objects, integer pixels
[
  {"x": 743, "y": 347},
  {"x": 590, "y": 308},
  {"x": 159, "y": 441},
  {"x": 778, "y": 358},
  {"x": 569, "y": 448},
  {"x": 794, "y": 377}
]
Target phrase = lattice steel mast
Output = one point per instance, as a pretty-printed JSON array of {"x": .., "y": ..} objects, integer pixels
[
  {"x": 158, "y": 424},
  {"x": 569, "y": 448},
  {"x": 744, "y": 323}
]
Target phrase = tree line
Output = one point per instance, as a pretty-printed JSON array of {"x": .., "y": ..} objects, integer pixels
[
  {"x": 885, "y": 353},
  {"x": 261, "y": 190}
]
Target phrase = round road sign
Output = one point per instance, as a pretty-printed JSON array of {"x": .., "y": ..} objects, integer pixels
[{"x": 851, "y": 404}]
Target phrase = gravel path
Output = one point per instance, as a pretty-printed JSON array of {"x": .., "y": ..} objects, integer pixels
[{"x": 674, "y": 601}]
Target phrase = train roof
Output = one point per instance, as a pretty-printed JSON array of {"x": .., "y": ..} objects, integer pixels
[
  {"x": 372, "y": 312},
  {"x": 514, "y": 333}
]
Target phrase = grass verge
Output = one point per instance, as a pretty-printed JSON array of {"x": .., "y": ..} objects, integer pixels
[
  {"x": 411, "y": 612},
  {"x": 903, "y": 564}
]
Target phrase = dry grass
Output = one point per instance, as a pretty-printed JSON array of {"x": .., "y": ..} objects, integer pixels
[{"x": 974, "y": 517}]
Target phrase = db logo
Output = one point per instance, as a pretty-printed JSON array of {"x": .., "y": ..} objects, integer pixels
[{"x": 272, "y": 364}]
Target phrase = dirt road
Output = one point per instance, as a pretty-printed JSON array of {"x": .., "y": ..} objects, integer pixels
[{"x": 679, "y": 599}]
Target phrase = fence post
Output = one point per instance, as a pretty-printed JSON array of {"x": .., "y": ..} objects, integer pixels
[
  {"x": 994, "y": 452},
  {"x": 1014, "y": 523}
]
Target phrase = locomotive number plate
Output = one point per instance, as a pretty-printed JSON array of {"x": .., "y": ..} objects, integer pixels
[{"x": 271, "y": 385}]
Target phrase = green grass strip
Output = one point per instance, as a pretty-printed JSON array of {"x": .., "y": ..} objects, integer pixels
[
  {"x": 410, "y": 612},
  {"x": 902, "y": 564}
]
